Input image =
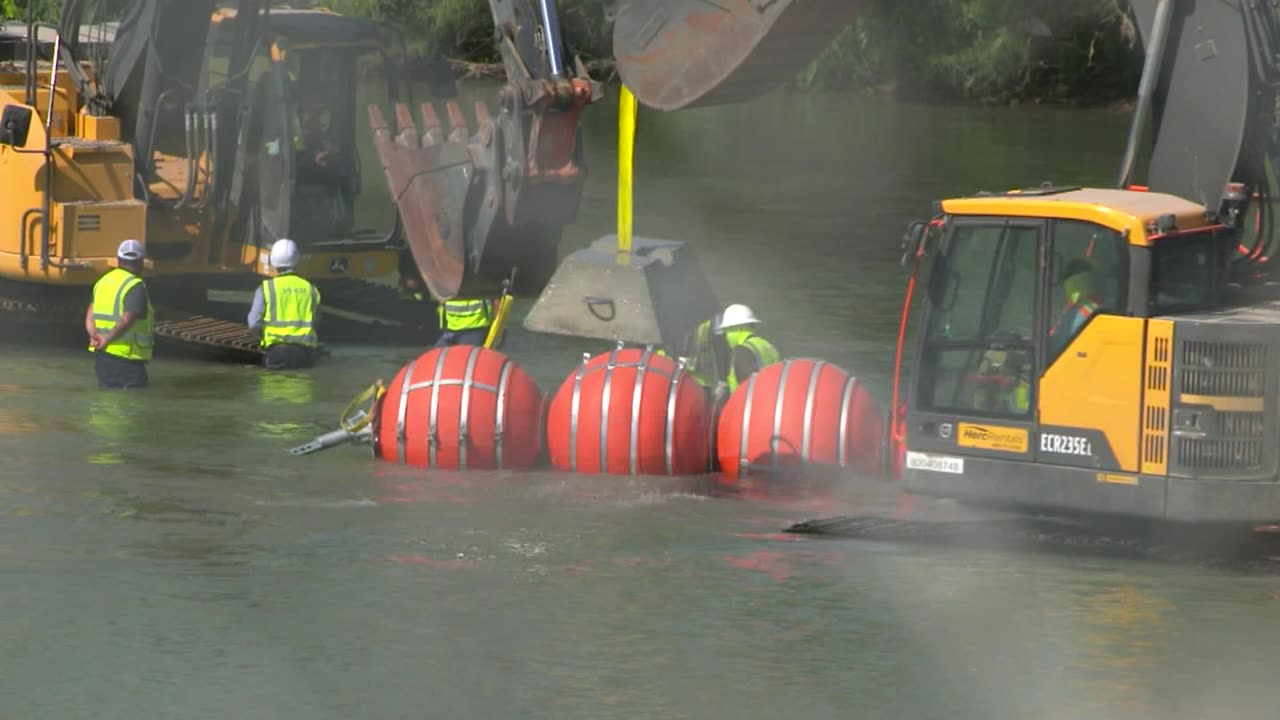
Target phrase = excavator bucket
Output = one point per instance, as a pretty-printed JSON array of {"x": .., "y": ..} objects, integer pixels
[
  {"x": 428, "y": 175},
  {"x": 676, "y": 54}
]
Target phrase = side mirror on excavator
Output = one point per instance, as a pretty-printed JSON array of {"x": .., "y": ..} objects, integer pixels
[
  {"x": 913, "y": 240},
  {"x": 15, "y": 123}
]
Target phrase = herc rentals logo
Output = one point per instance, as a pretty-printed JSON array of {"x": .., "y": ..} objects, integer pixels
[{"x": 990, "y": 437}]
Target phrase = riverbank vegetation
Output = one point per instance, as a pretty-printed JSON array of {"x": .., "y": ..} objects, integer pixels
[{"x": 987, "y": 51}]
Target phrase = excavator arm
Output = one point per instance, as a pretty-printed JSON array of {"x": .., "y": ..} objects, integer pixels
[
  {"x": 475, "y": 200},
  {"x": 500, "y": 191},
  {"x": 1209, "y": 85},
  {"x": 509, "y": 187}
]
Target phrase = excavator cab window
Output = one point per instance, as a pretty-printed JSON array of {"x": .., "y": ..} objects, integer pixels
[
  {"x": 303, "y": 131},
  {"x": 321, "y": 97},
  {"x": 1188, "y": 272},
  {"x": 1088, "y": 275},
  {"x": 979, "y": 346}
]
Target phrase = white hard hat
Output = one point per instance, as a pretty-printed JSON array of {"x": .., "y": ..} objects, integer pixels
[
  {"x": 131, "y": 250},
  {"x": 733, "y": 316},
  {"x": 284, "y": 254}
]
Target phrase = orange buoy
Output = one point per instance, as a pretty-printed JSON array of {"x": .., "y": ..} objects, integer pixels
[
  {"x": 629, "y": 411},
  {"x": 797, "y": 413},
  {"x": 460, "y": 407}
]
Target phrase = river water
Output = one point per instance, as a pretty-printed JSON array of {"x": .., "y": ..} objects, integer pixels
[{"x": 164, "y": 557}]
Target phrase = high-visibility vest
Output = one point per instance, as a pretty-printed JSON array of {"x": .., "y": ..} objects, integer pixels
[
  {"x": 701, "y": 363},
  {"x": 1022, "y": 396},
  {"x": 459, "y": 315},
  {"x": 766, "y": 354},
  {"x": 108, "y": 309},
  {"x": 1083, "y": 310},
  {"x": 289, "y": 311},
  {"x": 702, "y": 366}
]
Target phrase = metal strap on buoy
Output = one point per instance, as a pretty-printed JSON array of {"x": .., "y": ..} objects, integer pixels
[
  {"x": 746, "y": 424},
  {"x": 605, "y": 393},
  {"x": 404, "y": 397},
  {"x": 435, "y": 407},
  {"x": 673, "y": 393},
  {"x": 467, "y": 383},
  {"x": 575, "y": 404},
  {"x": 464, "y": 408},
  {"x": 637, "y": 391},
  {"x": 573, "y": 413},
  {"x": 778, "y": 400},
  {"x": 498, "y": 424},
  {"x": 807, "y": 435},
  {"x": 842, "y": 451}
]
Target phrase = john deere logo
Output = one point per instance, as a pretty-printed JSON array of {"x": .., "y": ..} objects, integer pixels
[{"x": 992, "y": 437}]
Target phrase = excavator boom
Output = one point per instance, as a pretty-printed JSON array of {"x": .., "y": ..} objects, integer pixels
[
  {"x": 476, "y": 200},
  {"x": 1212, "y": 72},
  {"x": 502, "y": 190}
]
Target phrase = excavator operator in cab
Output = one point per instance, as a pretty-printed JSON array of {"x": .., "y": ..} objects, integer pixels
[
  {"x": 311, "y": 148},
  {"x": 1080, "y": 286}
]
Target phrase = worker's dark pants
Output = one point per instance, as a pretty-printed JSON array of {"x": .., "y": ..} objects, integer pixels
[
  {"x": 287, "y": 356},
  {"x": 463, "y": 337},
  {"x": 117, "y": 373}
]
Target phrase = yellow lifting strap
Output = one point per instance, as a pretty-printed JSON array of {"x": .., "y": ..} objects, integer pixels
[
  {"x": 500, "y": 315},
  {"x": 371, "y": 395},
  {"x": 627, "y": 110}
]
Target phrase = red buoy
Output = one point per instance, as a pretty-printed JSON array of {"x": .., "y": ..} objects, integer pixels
[
  {"x": 629, "y": 411},
  {"x": 460, "y": 407},
  {"x": 797, "y": 413}
]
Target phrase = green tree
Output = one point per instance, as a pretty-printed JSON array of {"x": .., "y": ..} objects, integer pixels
[
  {"x": 944, "y": 50},
  {"x": 46, "y": 10}
]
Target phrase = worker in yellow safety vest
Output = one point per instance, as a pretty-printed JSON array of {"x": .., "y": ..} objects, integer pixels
[
  {"x": 465, "y": 321},
  {"x": 119, "y": 321},
  {"x": 748, "y": 351},
  {"x": 704, "y": 353},
  {"x": 286, "y": 308}
]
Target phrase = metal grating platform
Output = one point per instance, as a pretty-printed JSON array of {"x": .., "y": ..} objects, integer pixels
[{"x": 207, "y": 332}]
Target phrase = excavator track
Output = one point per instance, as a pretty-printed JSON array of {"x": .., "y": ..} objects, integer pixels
[{"x": 366, "y": 312}]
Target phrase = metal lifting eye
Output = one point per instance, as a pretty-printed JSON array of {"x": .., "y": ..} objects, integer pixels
[{"x": 610, "y": 310}]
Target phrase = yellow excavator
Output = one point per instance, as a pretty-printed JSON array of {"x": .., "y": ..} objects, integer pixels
[{"x": 207, "y": 130}]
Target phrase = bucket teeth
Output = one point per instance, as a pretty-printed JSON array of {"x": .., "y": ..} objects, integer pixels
[
  {"x": 408, "y": 133},
  {"x": 378, "y": 124},
  {"x": 482, "y": 114},
  {"x": 432, "y": 132},
  {"x": 458, "y": 130}
]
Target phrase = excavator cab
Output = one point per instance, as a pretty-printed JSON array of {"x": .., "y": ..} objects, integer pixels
[
  {"x": 303, "y": 162},
  {"x": 1087, "y": 350}
]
